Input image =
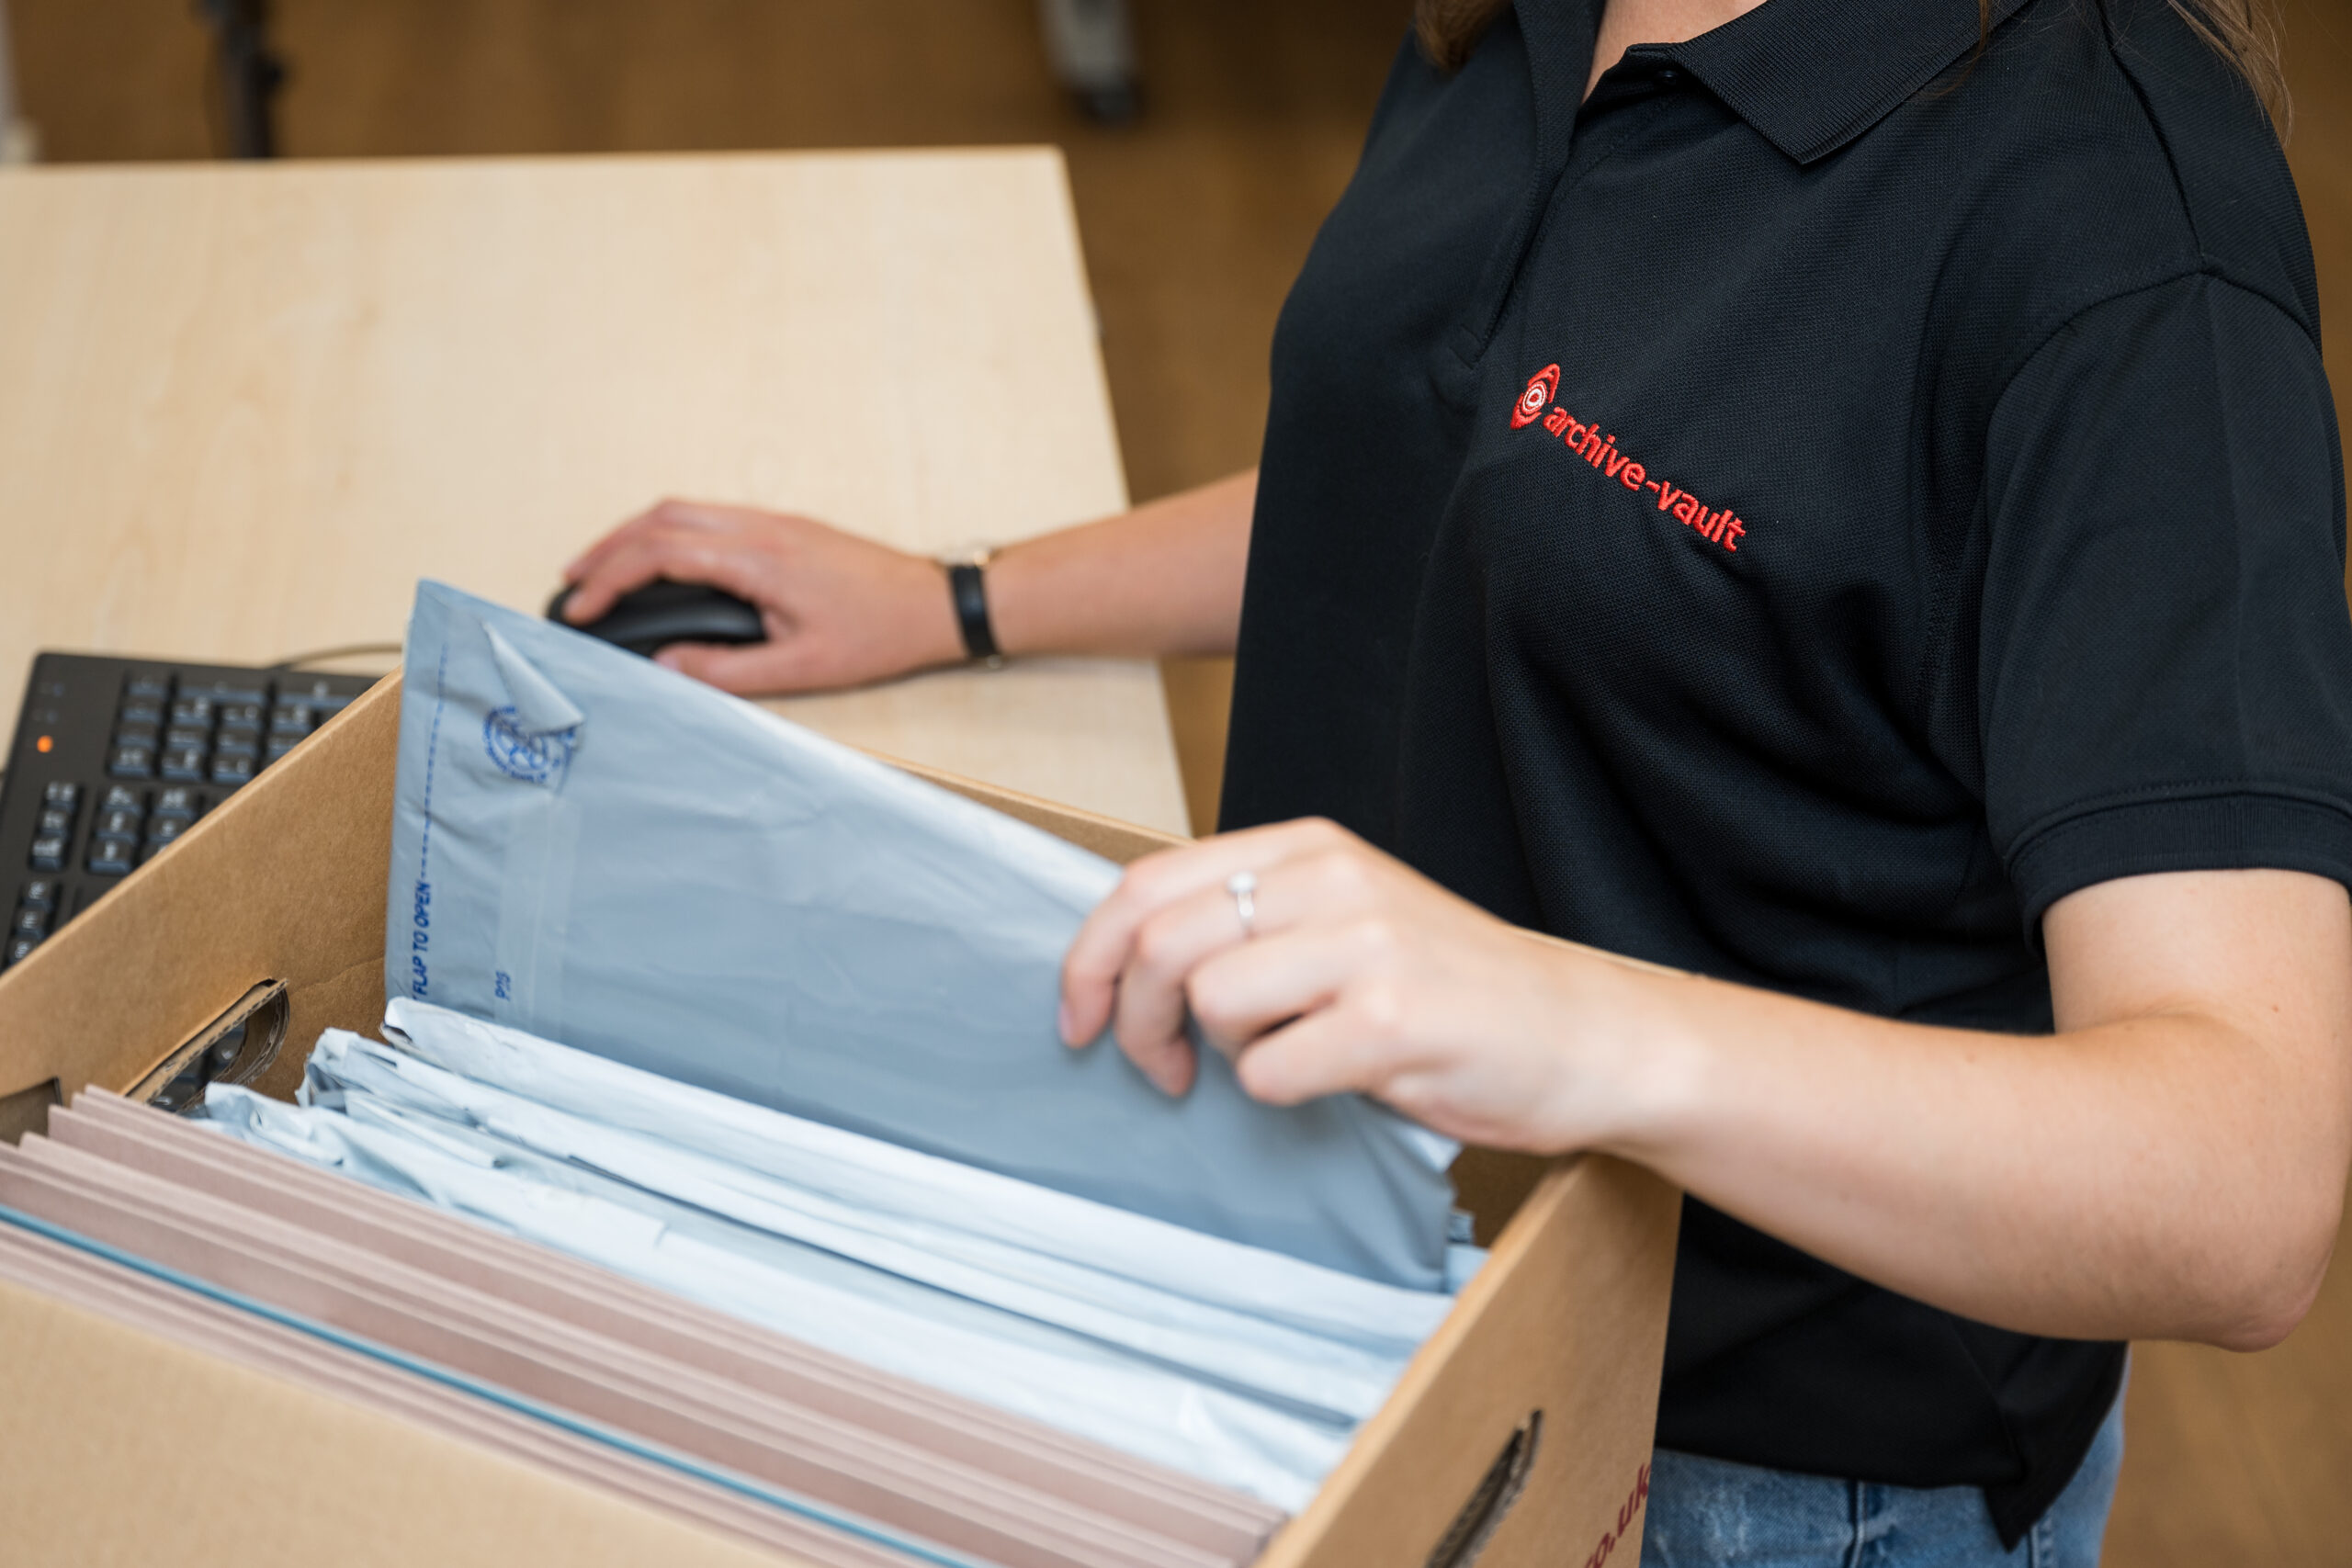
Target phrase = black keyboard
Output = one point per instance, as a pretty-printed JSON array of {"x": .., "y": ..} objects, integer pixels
[{"x": 115, "y": 758}]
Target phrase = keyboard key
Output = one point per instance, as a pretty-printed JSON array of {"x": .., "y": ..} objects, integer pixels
[
  {"x": 231, "y": 770},
  {"x": 221, "y": 692},
  {"x": 281, "y": 744},
  {"x": 243, "y": 715},
  {"x": 291, "y": 719},
  {"x": 112, "y": 857},
  {"x": 29, "y": 922},
  {"x": 135, "y": 734},
  {"x": 179, "y": 801},
  {"x": 163, "y": 829},
  {"x": 63, "y": 795},
  {"x": 237, "y": 743},
  {"x": 122, "y": 797},
  {"x": 196, "y": 712},
  {"x": 131, "y": 762},
  {"x": 186, "y": 735},
  {"x": 184, "y": 763},
  {"x": 117, "y": 824},
  {"x": 48, "y": 823},
  {"x": 151, "y": 686},
  {"x": 39, "y": 894},
  {"x": 139, "y": 710},
  {"x": 48, "y": 853},
  {"x": 20, "y": 950}
]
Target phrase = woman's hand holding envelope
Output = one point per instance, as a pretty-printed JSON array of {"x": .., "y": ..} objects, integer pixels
[{"x": 1352, "y": 971}]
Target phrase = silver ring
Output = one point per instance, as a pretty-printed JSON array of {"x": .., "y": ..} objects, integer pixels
[{"x": 1243, "y": 886}]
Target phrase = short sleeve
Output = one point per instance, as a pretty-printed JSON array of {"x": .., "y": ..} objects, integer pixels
[{"x": 2164, "y": 663}]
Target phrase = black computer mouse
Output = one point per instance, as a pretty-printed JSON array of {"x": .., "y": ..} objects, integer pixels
[{"x": 659, "y": 613}]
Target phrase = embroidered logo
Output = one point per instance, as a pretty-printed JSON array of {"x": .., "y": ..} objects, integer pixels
[
  {"x": 1600, "y": 451},
  {"x": 1540, "y": 388}
]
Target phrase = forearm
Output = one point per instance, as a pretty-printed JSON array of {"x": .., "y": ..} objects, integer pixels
[
  {"x": 2169, "y": 1164},
  {"x": 2151, "y": 1177},
  {"x": 1164, "y": 579}
]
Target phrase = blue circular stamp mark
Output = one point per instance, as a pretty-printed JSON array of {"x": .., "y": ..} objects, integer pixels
[{"x": 534, "y": 759}]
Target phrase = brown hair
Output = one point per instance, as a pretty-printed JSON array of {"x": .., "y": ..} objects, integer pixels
[
  {"x": 1450, "y": 30},
  {"x": 2243, "y": 32}
]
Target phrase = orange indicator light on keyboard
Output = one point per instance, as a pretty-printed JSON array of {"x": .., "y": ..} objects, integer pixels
[{"x": 43, "y": 744}]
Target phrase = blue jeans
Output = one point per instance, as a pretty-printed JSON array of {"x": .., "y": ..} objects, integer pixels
[{"x": 1707, "y": 1512}]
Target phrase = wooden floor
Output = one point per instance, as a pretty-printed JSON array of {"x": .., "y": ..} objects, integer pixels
[{"x": 1194, "y": 222}]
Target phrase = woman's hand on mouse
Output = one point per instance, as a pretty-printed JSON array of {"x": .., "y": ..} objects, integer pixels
[
  {"x": 839, "y": 610},
  {"x": 1354, "y": 973},
  {"x": 1163, "y": 577}
]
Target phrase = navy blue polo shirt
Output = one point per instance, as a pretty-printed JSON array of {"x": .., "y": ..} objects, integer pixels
[{"x": 1792, "y": 516}]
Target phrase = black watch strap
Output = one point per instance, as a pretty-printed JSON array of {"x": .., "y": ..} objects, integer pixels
[{"x": 969, "y": 588}]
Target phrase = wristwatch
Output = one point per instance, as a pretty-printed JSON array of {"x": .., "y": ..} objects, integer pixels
[{"x": 967, "y": 588}]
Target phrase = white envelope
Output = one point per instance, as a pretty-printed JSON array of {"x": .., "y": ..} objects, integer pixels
[{"x": 1046, "y": 1373}]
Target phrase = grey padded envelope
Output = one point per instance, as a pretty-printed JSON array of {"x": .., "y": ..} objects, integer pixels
[{"x": 606, "y": 853}]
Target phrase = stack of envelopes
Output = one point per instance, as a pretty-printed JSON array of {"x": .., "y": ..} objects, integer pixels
[{"x": 178, "y": 1231}]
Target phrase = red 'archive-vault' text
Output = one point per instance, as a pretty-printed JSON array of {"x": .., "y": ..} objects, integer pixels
[{"x": 1599, "y": 450}]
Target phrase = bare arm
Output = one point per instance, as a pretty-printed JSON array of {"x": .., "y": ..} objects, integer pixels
[
  {"x": 839, "y": 610},
  {"x": 2170, "y": 1163},
  {"x": 1163, "y": 579}
]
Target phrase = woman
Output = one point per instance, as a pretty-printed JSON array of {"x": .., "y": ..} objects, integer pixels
[{"x": 1837, "y": 498}]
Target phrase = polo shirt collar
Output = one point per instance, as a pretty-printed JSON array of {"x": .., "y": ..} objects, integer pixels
[
  {"x": 1560, "y": 36},
  {"x": 1811, "y": 75}
]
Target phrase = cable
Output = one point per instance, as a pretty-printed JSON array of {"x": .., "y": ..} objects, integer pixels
[{"x": 349, "y": 651}]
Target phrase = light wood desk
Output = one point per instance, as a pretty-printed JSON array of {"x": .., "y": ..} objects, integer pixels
[{"x": 243, "y": 409}]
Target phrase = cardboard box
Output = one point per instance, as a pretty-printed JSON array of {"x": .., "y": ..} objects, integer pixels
[{"x": 1519, "y": 1436}]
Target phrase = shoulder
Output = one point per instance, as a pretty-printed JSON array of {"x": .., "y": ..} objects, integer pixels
[
  {"x": 2099, "y": 147},
  {"x": 2237, "y": 195}
]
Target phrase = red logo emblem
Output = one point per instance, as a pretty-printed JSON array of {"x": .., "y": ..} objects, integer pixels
[{"x": 1540, "y": 388}]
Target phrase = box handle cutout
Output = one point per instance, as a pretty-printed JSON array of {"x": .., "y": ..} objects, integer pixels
[
  {"x": 26, "y": 1111},
  {"x": 234, "y": 1048},
  {"x": 1504, "y": 1479}
]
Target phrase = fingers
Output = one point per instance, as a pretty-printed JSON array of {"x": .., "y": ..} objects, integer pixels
[
  {"x": 587, "y": 560},
  {"x": 1170, "y": 1063},
  {"x": 670, "y": 517},
  {"x": 1249, "y": 990},
  {"x": 1330, "y": 1051},
  {"x": 1192, "y": 958},
  {"x": 1105, "y": 944},
  {"x": 681, "y": 553},
  {"x": 1321, "y": 1010},
  {"x": 1148, "y": 1017},
  {"x": 1357, "y": 975},
  {"x": 658, "y": 516}
]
